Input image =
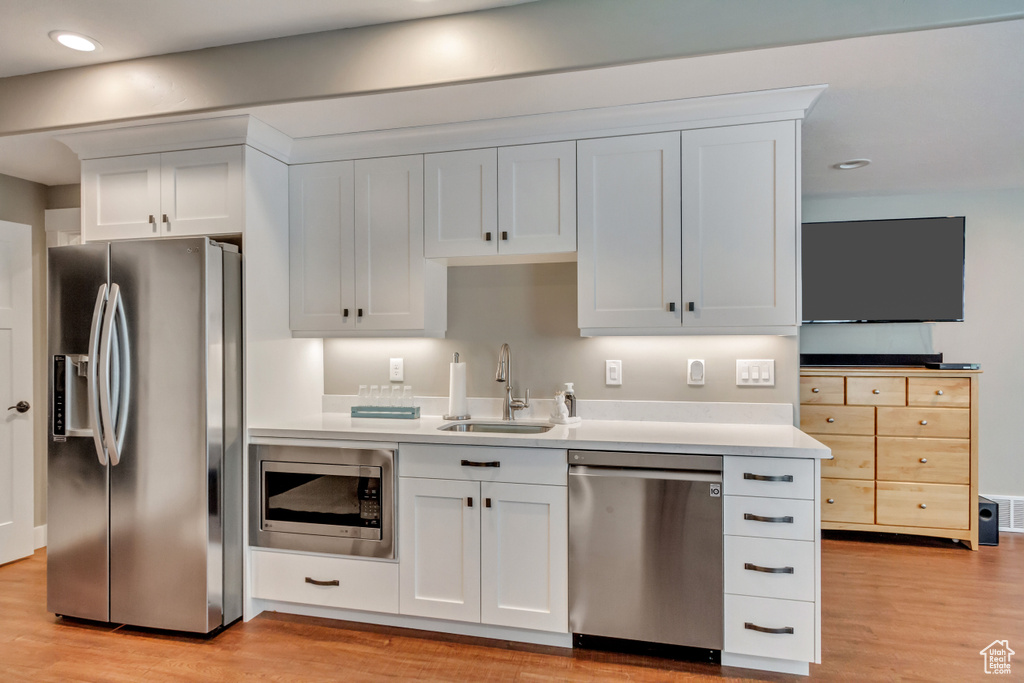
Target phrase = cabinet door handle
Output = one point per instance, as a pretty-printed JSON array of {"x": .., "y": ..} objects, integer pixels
[
  {"x": 168, "y": 222},
  {"x": 768, "y": 477},
  {"x": 924, "y": 460},
  {"x": 504, "y": 236},
  {"x": 333, "y": 582},
  {"x": 487, "y": 237},
  {"x": 359, "y": 313},
  {"x": 924, "y": 422},
  {"x": 815, "y": 390},
  {"x": 924, "y": 506},
  {"x": 763, "y": 629},
  {"x": 939, "y": 392},
  {"x": 469, "y": 502},
  {"x": 473, "y": 463},
  {"x": 830, "y": 420},
  {"x": 770, "y": 520},
  {"x": 344, "y": 313},
  {"x": 487, "y": 502},
  {"x": 152, "y": 221},
  {"x": 831, "y": 501},
  {"x": 767, "y": 570},
  {"x": 875, "y": 391},
  {"x": 672, "y": 306},
  {"x": 689, "y": 306}
]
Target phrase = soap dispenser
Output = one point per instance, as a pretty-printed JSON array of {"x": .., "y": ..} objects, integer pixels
[{"x": 570, "y": 399}]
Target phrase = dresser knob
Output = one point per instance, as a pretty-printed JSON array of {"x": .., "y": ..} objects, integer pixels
[
  {"x": 939, "y": 392},
  {"x": 924, "y": 460},
  {"x": 924, "y": 422},
  {"x": 875, "y": 391},
  {"x": 924, "y": 506},
  {"x": 815, "y": 390},
  {"x": 831, "y": 419},
  {"x": 831, "y": 501}
]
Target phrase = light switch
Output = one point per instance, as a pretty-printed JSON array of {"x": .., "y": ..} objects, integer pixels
[
  {"x": 613, "y": 372},
  {"x": 755, "y": 373}
]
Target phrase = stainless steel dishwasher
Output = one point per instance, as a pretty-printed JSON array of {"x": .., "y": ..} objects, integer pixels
[{"x": 645, "y": 547}]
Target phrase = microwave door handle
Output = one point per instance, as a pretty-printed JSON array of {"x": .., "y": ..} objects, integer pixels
[
  {"x": 92, "y": 381},
  {"x": 125, "y": 376},
  {"x": 106, "y": 344}
]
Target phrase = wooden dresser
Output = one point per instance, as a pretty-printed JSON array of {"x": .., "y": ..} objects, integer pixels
[{"x": 905, "y": 448}]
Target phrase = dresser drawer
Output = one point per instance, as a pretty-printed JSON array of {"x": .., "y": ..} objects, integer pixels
[
  {"x": 822, "y": 390},
  {"x": 769, "y": 517},
  {"x": 747, "y": 618},
  {"x": 769, "y": 477},
  {"x": 769, "y": 568},
  {"x": 929, "y": 422},
  {"x": 853, "y": 457},
  {"x": 484, "y": 463},
  {"x": 936, "y": 461},
  {"x": 876, "y": 391},
  {"x": 954, "y": 392},
  {"x": 848, "y": 500},
  {"x": 924, "y": 505},
  {"x": 326, "y": 581},
  {"x": 837, "y": 419}
]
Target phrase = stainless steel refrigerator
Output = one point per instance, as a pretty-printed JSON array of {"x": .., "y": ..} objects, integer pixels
[{"x": 144, "y": 452}]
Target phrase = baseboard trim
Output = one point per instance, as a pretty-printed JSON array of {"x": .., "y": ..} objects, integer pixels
[{"x": 39, "y": 537}]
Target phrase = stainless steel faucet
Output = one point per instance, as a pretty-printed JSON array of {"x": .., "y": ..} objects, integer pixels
[{"x": 504, "y": 374}]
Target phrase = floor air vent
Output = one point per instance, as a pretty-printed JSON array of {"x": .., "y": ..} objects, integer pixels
[{"x": 1011, "y": 512}]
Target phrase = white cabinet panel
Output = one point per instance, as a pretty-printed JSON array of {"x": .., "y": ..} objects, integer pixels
[
  {"x": 768, "y": 477},
  {"x": 628, "y": 233},
  {"x": 121, "y": 197},
  {"x": 461, "y": 203},
  {"x": 324, "y": 580},
  {"x": 769, "y": 567},
  {"x": 769, "y": 517},
  {"x": 524, "y": 556},
  {"x": 510, "y": 465},
  {"x": 747, "y": 619},
  {"x": 537, "y": 198},
  {"x": 439, "y": 548},
  {"x": 739, "y": 225}
]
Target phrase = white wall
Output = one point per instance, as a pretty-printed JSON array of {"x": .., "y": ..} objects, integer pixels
[{"x": 993, "y": 331}]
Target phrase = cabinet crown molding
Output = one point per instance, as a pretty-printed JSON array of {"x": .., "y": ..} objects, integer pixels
[{"x": 174, "y": 136}]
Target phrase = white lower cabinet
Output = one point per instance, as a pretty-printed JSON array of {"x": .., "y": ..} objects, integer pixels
[{"x": 768, "y": 627}]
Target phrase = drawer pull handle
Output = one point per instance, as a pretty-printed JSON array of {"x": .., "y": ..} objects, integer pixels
[
  {"x": 768, "y": 477},
  {"x": 770, "y": 520},
  {"x": 763, "y": 629},
  {"x": 938, "y": 392},
  {"x": 831, "y": 501},
  {"x": 487, "y": 237},
  {"x": 815, "y": 390},
  {"x": 359, "y": 313},
  {"x": 504, "y": 235},
  {"x": 473, "y": 463},
  {"x": 767, "y": 570},
  {"x": 924, "y": 506},
  {"x": 924, "y": 422},
  {"x": 469, "y": 502},
  {"x": 924, "y": 460},
  {"x": 671, "y": 306},
  {"x": 487, "y": 502},
  {"x": 333, "y": 582},
  {"x": 830, "y": 420},
  {"x": 875, "y": 391}
]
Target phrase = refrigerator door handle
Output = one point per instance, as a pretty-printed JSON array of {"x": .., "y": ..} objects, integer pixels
[
  {"x": 106, "y": 344},
  {"x": 125, "y": 376},
  {"x": 95, "y": 332}
]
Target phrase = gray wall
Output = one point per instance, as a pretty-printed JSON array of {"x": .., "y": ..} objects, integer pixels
[
  {"x": 533, "y": 308},
  {"x": 992, "y": 333},
  {"x": 22, "y": 201}
]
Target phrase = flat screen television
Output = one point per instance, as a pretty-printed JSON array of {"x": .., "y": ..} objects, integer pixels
[{"x": 900, "y": 270}]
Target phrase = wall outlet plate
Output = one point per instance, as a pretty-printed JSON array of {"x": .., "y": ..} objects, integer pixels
[
  {"x": 613, "y": 372},
  {"x": 396, "y": 370},
  {"x": 695, "y": 371},
  {"x": 755, "y": 373}
]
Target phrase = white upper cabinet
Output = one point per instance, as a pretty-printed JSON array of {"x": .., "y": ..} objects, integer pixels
[
  {"x": 516, "y": 201},
  {"x": 629, "y": 243},
  {"x": 171, "y": 194},
  {"x": 356, "y": 251}
]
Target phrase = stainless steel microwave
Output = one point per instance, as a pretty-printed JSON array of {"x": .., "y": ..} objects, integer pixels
[{"x": 336, "y": 498}]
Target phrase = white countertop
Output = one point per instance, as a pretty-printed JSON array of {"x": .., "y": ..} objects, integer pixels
[{"x": 772, "y": 440}]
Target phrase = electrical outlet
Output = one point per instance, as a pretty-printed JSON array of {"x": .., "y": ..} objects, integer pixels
[
  {"x": 396, "y": 370},
  {"x": 613, "y": 372},
  {"x": 695, "y": 371},
  {"x": 755, "y": 373}
]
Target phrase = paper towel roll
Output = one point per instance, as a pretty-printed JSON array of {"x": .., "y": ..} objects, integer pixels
[{"x": 458, "y": 406}]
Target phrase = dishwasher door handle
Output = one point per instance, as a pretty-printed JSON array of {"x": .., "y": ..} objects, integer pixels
[
  {"x": 637, "y": 473},
  {"x": 770, "y": 520}
]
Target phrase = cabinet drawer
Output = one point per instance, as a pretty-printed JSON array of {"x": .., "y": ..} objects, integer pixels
[
  {"x": 876, "y": 391},
  {"x": 769, "y": 568},
  {"x": 848, "y": 500},
  {"x": 745, "y": 614},
  {"x": 361, "y": 584},
  {"x": 483, "y": 463},
  {"x": 769, "y": 517},
  {"x": 939, "y": 422},
  {"x": 853, "y": 457},
  {"x": 954, "y": 392},
  {"x": 837, "y": 419},
  {"x": 925, "y": 505},
  {"x": 936, "y": 461},
  {"x": 821, "y": 390},
  {"x": 769, "y": 477}
]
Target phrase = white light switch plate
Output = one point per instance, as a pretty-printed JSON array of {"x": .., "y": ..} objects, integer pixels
[
  {"x": 396, "y": 370},
  {"x": 755, "y": 373},
  {"x": 695, "y": 371},
  {"x": 613, "y": 372}
]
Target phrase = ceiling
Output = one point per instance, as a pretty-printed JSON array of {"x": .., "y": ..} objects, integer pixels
[
  {"x": 129, "y": 29},
  {"x": 935, "y": 110}
]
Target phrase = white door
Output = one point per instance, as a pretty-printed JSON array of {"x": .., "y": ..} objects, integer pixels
[
  {"x": 389, "y": 243},
  {"x": 439, "y": 547},
  {"x": 629, "y": 245},
  {"x": 121, "y": 198},
  {"x": 524, "y": 563},
  {"x": 16, "y": 446},
  {"x": 537, "y": 198},
  {"x": 321, "y": 243},
  {"x": 461, "y": 203},
  {"x": 201, "y": 192},
  {"x": 739, "y": 225}
]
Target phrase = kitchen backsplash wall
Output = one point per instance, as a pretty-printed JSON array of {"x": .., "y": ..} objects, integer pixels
[{"x": 533, "y": 308}]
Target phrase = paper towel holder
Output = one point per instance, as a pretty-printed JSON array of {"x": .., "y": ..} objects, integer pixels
[{"x": 455, "y": 359}]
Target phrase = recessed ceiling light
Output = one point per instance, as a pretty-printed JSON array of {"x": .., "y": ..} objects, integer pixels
[
  {"x": 852, "y": 163},
  {"x": 76, "y": 41}
]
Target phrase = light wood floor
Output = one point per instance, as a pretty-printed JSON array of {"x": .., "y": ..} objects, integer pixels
[{"x": 913, "y": 609}]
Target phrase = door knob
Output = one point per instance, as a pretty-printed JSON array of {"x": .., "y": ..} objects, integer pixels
[{"x": 20, "y": 406}]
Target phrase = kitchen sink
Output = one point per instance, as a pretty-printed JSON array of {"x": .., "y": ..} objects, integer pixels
[{"x": 496, "y": 427}]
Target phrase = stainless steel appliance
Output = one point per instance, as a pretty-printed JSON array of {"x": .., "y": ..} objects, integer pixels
[
  {"x": 334, "y": 498},
  {"x": 144, "y": 504},
  {"x": 645, "y": 547}
]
